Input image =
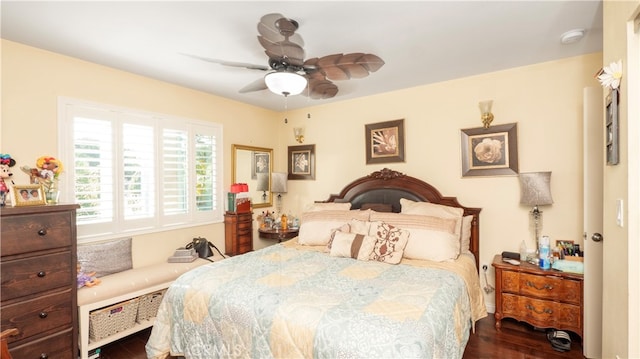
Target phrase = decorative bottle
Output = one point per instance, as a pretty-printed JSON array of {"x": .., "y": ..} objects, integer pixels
[{"x": 283, "y": 221}]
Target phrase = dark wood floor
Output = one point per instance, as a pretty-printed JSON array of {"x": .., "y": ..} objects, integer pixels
[{"x": 515, "y": 341}]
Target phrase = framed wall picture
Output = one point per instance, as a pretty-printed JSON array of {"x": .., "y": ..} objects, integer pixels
[
  {"x": 384, "y": 142},
  {"x": 259, "y": 163},
  {"x": 490, "y": 151},
  {"x": 28, "y": 195},
  {"x": 612, "y": 130},
  {"x": 302, "y": 162}
]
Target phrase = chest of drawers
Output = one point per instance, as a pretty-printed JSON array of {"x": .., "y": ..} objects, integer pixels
[
  {"x": 542, "y": 298},
  {"x": 38, "y": 289},
  {"x": 238, "y": 233}
]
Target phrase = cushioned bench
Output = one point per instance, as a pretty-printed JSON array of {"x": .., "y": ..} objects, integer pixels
[{"x": 122, "y": 286}]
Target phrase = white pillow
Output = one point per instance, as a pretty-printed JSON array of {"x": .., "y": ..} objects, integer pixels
[
  {"x": 465, "y": 234},
  {"x": 352, "y": 245},
  {"x": 329, "y": 206},
  {"x": 431, "y": 209},
  {"x": 316, "y": 227},
  {"x": 430, "y": 238}
]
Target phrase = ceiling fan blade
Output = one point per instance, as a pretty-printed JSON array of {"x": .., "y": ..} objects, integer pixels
[
  {"x": 276, "y": 27},
  {"x": 346, "y": 66},
  {"x": 230, "y": 63},
  {"x": 319, "y": 88},
  {"x": 283, "y": 50},
  {"x": 256, "y": 85}
]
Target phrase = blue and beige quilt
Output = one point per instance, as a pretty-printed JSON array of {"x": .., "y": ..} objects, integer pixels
[{"x": 292, "y": 301}]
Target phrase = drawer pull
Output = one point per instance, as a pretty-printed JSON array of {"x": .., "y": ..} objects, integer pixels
[
  {"x": 42, "y": 274},
  {"x": 43, "y": 315},
  {"x": 44, "y": 356},
  {"x": 42, "y": 232},
  {"x": 546, "y": 286},
  {"x": 546, "y": 310}
]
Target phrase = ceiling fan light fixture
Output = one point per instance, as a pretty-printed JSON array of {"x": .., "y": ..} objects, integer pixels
[{"x": 285, "y": 83}]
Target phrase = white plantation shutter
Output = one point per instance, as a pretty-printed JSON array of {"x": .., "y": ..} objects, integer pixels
[
  {"x": 133, "y": 172},
  {"x": 175, "y": 167}
]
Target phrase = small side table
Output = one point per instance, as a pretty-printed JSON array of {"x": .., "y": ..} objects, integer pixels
[{"x": 277, "y": 233}]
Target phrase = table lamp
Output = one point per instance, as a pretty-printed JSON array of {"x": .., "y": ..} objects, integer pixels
[
  {"x": 535, "y": 190},
  {"x": 279, "y": 186}
]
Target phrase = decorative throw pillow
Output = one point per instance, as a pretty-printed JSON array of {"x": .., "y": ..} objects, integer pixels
[
  {"x": 431, "y": 238},
  {"x": 390, "y": 242},
  {"x": 316, "y": 227},
  {"x": 344, "y": 229},
  {"x": 105, "y": 258},
  {"x": 352, "y": 245}
]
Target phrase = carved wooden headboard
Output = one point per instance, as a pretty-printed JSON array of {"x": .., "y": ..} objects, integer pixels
[{"x": 388, "y": 187}]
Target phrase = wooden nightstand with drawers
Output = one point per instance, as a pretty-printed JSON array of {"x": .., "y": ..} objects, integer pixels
[{"x": 542, "y": 298}]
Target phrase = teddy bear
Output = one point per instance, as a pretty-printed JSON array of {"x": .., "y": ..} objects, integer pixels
[
  {"x": 86, "y": 279},
  {"x": 6, "y": 162}
]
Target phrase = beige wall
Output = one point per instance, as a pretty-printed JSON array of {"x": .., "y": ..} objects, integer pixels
[
  {"x": 621, "y": 283},
  {"x": 544, "y": 99},
  {"x": 32, "y": 80}
]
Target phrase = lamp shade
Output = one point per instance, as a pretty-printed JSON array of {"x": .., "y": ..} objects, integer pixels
[
  {"x": 535, "y": 188},
  {"x": 279, "y": 182},
  {"x": 285, "y": 83},
  {"x": 263, "y": 182}
]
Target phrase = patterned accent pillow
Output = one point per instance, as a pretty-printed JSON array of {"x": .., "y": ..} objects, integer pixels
[
  {"x": 352, "y": 245},
  {"x": 432, "y": 238},
  {"x": 345, "y": 228},
  {"x": 105, "y": 258},
  {"x": 390, "y": 242}
]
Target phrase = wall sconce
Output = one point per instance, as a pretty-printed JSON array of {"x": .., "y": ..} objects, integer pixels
[
  {"x": 485, "y": 110},
  {"x": 298, "y": 132},
  {"x": 535, "y": 190}
]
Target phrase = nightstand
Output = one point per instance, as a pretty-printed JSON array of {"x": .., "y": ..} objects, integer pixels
[
  {"x": 277, "y": 233},
  {"x": 542, "y": 298}
]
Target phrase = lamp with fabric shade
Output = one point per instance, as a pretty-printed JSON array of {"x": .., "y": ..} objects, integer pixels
[{"x": 535, "y": 190}]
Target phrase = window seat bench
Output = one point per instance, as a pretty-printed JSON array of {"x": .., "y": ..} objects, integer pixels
[{"x": 123, "y": 286}]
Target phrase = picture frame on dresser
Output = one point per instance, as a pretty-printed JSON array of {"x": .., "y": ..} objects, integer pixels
[{"x": 28, "y": 195}]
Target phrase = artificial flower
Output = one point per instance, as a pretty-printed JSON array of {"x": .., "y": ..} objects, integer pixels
[{"x": 611, "y": 75}]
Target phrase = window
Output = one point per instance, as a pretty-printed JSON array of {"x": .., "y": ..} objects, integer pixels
[{"x": 133, "y": 172}]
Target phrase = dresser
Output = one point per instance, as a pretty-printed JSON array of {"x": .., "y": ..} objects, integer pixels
[
  {"x": 238, "y": 232},
  {"x": 38, "y": 293},
  {"x": 542, "y": 298}
]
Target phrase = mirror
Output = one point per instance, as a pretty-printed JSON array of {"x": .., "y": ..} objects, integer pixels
[{"x": 252, "y": 165}]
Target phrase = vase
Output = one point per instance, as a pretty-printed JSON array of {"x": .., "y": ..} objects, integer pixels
[
  {"x": 52, "y": 193},
  {"x": 52, "y": 196}
]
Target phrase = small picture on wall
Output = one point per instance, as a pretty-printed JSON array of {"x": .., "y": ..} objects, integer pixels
[
  {"x": 302, "y": 162},
  {"x": 384, "y": 142},
  {"x": 490, "y": 151}
]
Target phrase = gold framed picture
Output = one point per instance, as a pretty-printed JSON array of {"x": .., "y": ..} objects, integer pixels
[{"x": 28, "y": 195}]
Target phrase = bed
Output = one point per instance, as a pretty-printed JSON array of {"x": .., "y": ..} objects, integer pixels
[{"x": 367, "y": 277}]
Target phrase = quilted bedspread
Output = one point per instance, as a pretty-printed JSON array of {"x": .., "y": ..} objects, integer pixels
[{"x": 287, "y": 301}]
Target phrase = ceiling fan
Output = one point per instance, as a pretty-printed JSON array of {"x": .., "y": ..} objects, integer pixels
[{"x": 289, "y": 73}]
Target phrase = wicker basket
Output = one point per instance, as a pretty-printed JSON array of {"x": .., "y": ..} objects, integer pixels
[
  {"x": 112, "y": 319},
  {"x": 149, "y": 304}
]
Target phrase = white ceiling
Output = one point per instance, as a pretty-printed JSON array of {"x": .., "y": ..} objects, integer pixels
[{"x": 421, "y": 42}]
